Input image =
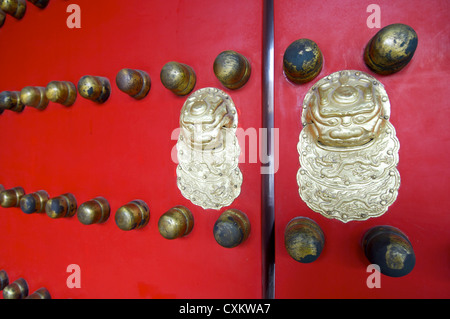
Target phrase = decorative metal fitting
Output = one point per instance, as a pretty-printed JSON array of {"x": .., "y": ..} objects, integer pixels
[
  {"x": 178, "y": 77},
  {"x": 61, "y": 92},
  {"x": 232, "y": 69},
  {"x": 94, "y": 88},
  {"x": 34, "y": 96},
  {"x": 176, "y": 222},
  {"x": 10, "y": 100},
  {"x": 16, "y": 290},
  {"x": 390, "y": 249},
  {"x": 304, "y": 239},
  {"x": 134, "y": 215},
  {"x": 302, "y": 61},
  {"x": 391, "y": 49},
  {"x": 232, "y": 228},
  {"x": 15, "y": 8},
  {"x": 2, "y": 18},
  {"x": 61, "y": 206},
  {"x": 41, "y": 293},
  {"x": 135, "y": 83},
  {"x": 4, "y": 279},
  {"x": 41, "y": 4},
  {"x": 11, "y": 197},
  {"x": 348, "y": 148},
  {"x": 34, "y": 202},
  {"x": 94, "y": 211},
  {"x": 208, "y": 150}
]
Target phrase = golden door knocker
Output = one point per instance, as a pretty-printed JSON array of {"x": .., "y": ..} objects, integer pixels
[
  {"x": 208, "y": 150},
  {"x": 348, "y": 148}
]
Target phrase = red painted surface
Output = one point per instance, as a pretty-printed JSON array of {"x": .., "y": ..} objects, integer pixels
[
  {"x": 419, "y": 112},
  {"x": 121, "y": 150}
]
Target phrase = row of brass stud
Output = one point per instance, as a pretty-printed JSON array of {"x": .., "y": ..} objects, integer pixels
[
  {"x": 387, "y": 52},
  {"x": 230, "y": 230},
  {"x": 231, "y": 68},
  {"x": 18, "y": 289},
  {"x": 94, "y": 88},
  {"x": 17, "y": 8},
  {"x": 386, "y": 246}
]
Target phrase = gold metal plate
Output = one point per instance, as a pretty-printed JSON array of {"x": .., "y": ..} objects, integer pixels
[
  {"x": 348, "y": 148},
  {"x": 208, "y": 150}
]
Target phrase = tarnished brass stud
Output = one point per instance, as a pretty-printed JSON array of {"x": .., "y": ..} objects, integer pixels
[
  {"x": 11, "y": 197},
  {"x": 16, "y": 290},
  {"x": 176, "y": 222},
  {"x": 303, "y": 239},
  {"x": 232, "y": 69},
  {"x": 61, "y": 206},
  {"x": 135, "y": 83},
  {"x": 41, "y": 4},
  {"x": 232, "y": 228},
  {"x": 41, "y": 293},
  {"x": 94, "y": 88},
  {"x": 34, "y": 202},
  {"x": 391, "y": 49},
  {"x": 34, "y": 96},
  {"x": 389, "y": 248},
  {"x": 302, "y": 61},
  {"x": 4, "y": 279},
  {"x": 2, "y": 18},
  {"x": 178, "y": 78},
  {"x": 94, "y": 211},
  {"x": 15, "y": 8},
  {"x": 61, "y": 92},
  {"x": 10, "y": 100},
  {"x": 133, "y": 215}
]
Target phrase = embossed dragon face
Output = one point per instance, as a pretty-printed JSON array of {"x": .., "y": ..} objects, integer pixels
[
  {"x": 203, "y": 120},
  {"x": 345, "y": 110},
  {"x": 348, "y": 150},
  {"x": 208, "y": 149}
]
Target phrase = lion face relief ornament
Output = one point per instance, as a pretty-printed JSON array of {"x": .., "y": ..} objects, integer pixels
[
  {"x": 208, "y": 150},
  {"x": 348, "y": 148}
]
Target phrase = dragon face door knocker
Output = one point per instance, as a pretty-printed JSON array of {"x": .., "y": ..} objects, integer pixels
[
  {"x": 208, "y": 150},
  {"x": 348, "y": 148}
]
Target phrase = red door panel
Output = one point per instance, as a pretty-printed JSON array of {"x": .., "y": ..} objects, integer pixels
[
  {"x": 122, "y": 149},
  {"x": 419, "y": 112}
]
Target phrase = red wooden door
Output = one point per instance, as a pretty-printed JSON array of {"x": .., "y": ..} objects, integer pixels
[
  {"x": 122, "y": 149},
  {"x": 419, "y": 112}
]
